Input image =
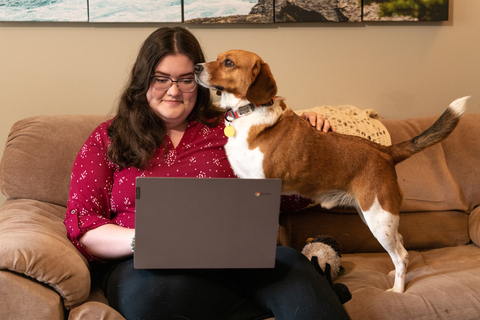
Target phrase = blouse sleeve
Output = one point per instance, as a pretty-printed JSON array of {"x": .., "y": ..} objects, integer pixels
[{"x": 90, "y": 189}]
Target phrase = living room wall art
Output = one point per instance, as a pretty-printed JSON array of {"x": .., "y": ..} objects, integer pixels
[
  {"x": 224, "y": 11},
  {"x": 405, "y": 10},
  {"x": 358, "y": 10},
  {"x": 44, "y": 10},
  {"x": 318, "y": 11},
  {"x": 228, "y": 11},
  {"x": 135, "y": 11}
]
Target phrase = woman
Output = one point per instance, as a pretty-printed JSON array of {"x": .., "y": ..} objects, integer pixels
[{"x": 167, "y": 126}]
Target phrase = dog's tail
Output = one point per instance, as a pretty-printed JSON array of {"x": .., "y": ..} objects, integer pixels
[{"x": 436, "y": 133}]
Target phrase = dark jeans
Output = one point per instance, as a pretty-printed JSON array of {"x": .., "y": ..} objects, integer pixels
[{"x": 291, "y": 290}]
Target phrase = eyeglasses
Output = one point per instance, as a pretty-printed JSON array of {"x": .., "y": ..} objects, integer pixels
[{"x": 164, "y": 83}]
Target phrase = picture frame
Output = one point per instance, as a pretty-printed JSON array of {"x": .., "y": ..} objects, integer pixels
[{"x": 224, "y": 11}]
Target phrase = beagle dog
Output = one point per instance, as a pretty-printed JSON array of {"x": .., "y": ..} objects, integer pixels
[{"x": 268, "y": 140}]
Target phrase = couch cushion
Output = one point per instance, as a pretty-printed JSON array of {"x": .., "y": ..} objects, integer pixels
[
  {"x": 38, "y": 156},
  {"x": 420, "y": 230},
  {"x": 444, "y": 176},
  {"x": 474, "y": 226},
  {"x": 93, "y": 310},
  {"x": 440, "y": 284}
]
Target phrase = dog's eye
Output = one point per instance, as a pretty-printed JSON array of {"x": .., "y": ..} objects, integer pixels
[{"x": 228, "y": 63}]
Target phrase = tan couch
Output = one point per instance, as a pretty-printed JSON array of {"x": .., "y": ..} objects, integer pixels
[{"x": 42, "y": 276}]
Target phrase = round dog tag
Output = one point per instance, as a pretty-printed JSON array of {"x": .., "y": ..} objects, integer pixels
[{"x": 229, "y": 131}]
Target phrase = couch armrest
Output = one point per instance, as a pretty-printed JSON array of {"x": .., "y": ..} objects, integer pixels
[
  {"x": 22, "y": 297},
  {"x": 33, "y": 242},
  {"x": 474, "y": 226}
]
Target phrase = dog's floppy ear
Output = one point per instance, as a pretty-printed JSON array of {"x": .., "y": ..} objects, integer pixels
[{"x": 263, "y": 88}]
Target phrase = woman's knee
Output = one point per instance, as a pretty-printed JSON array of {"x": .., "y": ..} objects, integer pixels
[{"x": 293, "y": 259}]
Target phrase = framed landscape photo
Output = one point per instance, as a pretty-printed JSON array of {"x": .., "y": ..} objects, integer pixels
[
  {"x": 405, "y": 10},
  {"x": 224, "y": 11},
  {"x": 228, "y": 11},
  {"x": 135, "y": 11},
  {"x": 44, "y": 10},
  {"x": 318, "y": 11}
]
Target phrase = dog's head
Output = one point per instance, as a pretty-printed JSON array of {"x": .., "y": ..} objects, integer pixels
[{"x": 241, "y": 73}]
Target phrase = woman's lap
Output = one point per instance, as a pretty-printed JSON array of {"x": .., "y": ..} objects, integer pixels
[
  {"x": 175, "y": 294},
  {"x": 293, "y": 289}
]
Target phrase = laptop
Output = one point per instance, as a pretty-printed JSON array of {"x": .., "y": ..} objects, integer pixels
[{"x": 215, "y": 223}]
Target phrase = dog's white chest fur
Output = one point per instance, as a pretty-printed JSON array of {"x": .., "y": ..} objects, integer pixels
[{"x": 246, "y": 163}]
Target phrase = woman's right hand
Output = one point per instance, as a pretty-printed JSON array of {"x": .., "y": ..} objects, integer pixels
[{"x": 318, "y": 121}]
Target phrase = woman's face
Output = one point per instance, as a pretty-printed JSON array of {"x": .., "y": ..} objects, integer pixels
[{"x": 172, "y": 105}]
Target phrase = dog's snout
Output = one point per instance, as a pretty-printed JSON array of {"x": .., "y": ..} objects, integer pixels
[{"x": 198, "y": 68}]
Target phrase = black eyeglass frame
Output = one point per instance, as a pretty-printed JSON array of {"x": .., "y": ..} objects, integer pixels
[{"x": 172, "y": 82}]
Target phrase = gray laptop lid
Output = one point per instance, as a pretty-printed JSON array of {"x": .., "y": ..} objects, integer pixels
[{"x": 185, "y": 223}]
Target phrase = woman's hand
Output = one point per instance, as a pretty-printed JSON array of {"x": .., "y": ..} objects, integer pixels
[{"x": 318, "y": 121}]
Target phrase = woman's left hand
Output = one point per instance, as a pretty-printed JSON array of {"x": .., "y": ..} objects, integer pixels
[{"x": 318, "y": 121}]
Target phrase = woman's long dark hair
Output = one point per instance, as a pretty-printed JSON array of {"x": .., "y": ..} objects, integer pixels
[{"x": 137, "y": 131}]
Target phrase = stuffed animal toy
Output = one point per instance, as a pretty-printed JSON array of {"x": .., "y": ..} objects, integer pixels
[{"x": 325, "y": 254}]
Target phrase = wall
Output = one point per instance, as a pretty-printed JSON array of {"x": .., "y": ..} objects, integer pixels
[{"x": 402, "y": 70}]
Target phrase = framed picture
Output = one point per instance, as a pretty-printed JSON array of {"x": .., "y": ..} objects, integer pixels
[
  {"x": 224, "y": 11},
  {"x": 44, "y": 10},
  {"x": 318, "y": 11},
  {"x": 405, "y": 10},
  {"x": 228, "y": 11},
  {"x": 135, "y": 11}
]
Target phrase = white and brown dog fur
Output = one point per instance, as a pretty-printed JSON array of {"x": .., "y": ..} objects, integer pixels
[{"x": 329, "y": 168}]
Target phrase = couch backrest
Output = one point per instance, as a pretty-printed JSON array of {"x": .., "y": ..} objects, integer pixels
[
  {"x": 445, "y": 176},
  {"x": 440, "y": 184},
  {"x": 39, "y": 154}
]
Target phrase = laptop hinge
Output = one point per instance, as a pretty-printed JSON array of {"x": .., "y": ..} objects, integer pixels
[{"x": 137, "y": 193}]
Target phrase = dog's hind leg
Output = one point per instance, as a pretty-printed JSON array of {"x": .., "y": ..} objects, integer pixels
[{"x": 384, "y": 226}]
